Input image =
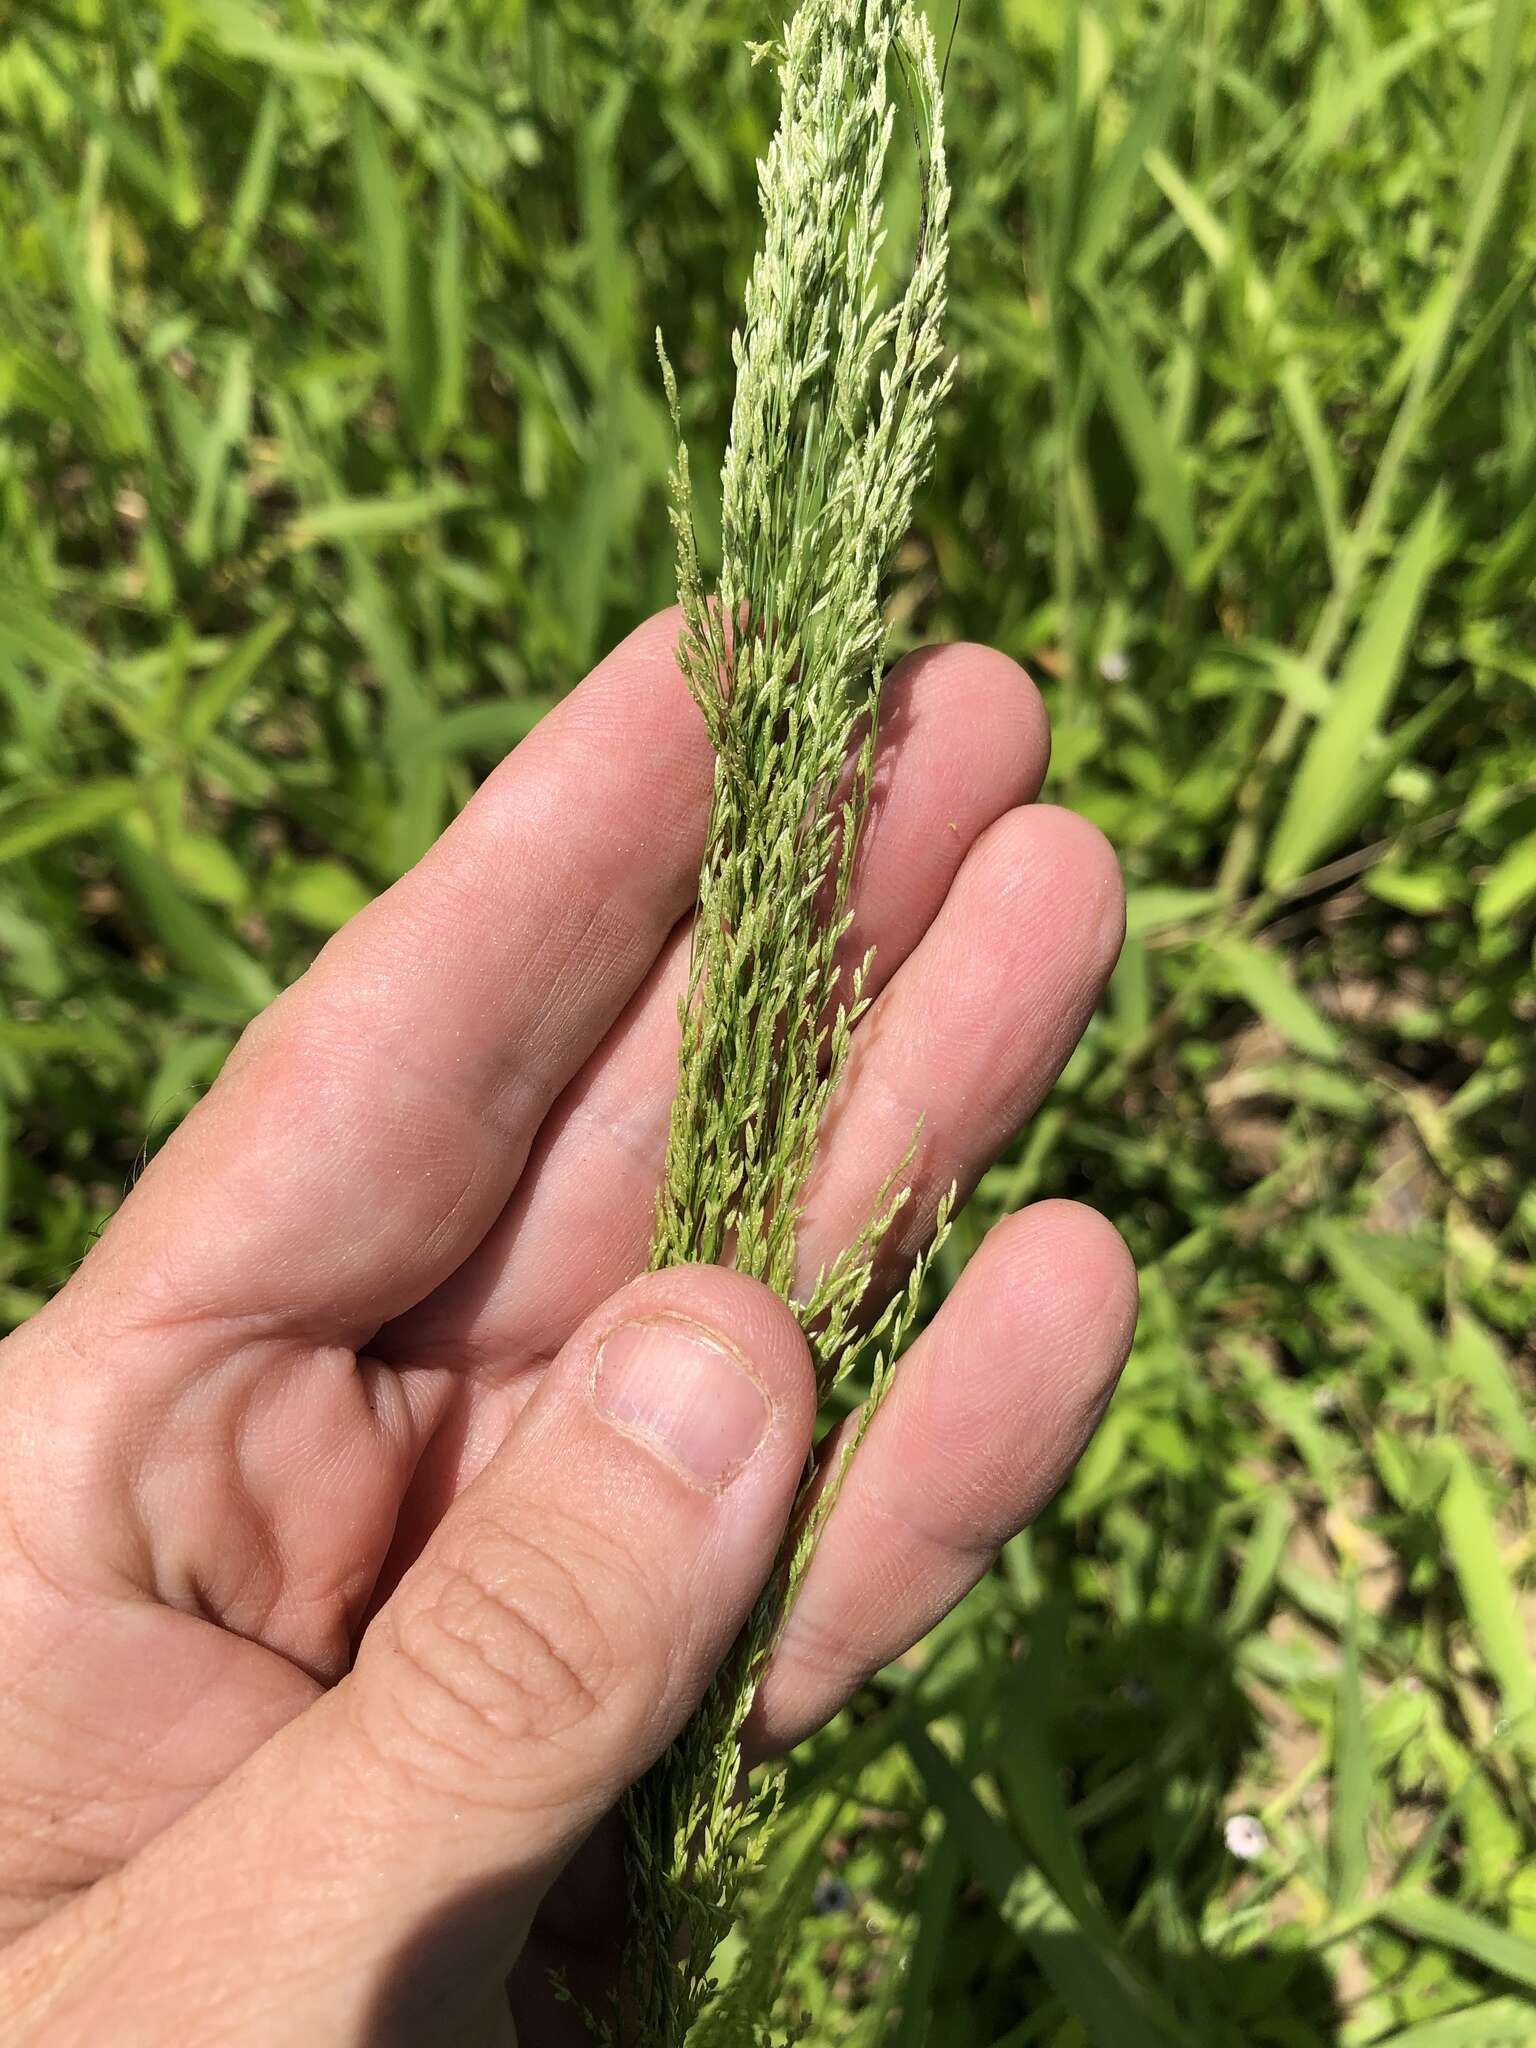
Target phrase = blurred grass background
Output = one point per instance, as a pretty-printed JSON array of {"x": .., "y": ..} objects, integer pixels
[{"x": 331, "y": 452}]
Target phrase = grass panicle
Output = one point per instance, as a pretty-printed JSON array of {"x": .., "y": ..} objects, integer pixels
[{"x": 837, "y": 388}]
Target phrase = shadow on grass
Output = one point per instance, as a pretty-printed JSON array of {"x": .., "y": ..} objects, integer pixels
[{"x": 1117, "y": 1758}]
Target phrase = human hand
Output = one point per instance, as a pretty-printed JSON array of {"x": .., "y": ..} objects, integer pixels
[{"x": 366, "y": 1526}]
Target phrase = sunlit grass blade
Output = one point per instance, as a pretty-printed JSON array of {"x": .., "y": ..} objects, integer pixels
[
  {"x": 1501, "y": 76},
  {"x": 1489, "y": 1595},
  {"x": 1509, "y": 884},
  {"x": 210, "y": 698},
  {"x": 1260, "y": 977},
  {"x": 1478, "y": 1361},
  {"x": 1430, "y": 1919},
  {"x": 1318, "y": 805},
  {"x": 1491, "y": 2023},
  {"x": 194, "y": 939},
  {"x": 1316, "y": 443},
  {"x": 141, "y": 167},
  {"x": 43, "y": 820},
  {"x": 1353, "y": 1257}
]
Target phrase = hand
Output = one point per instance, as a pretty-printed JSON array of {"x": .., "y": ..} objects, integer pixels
[{"x": 365, "y": 1525}]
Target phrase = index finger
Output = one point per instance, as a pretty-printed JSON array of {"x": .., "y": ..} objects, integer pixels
[{"x": 371, "y": 1124}]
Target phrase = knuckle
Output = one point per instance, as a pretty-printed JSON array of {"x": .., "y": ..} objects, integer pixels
[
  {"x": 520, "y": 1658},
  {"x": 499, "y": 1656},
  {"x": 305, "y": 1047},
  {"x": 293, "y": 1061},
  {"x": 827, "y": 1655}
]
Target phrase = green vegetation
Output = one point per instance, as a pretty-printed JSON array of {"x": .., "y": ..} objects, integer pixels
[{"x": 332, "y": 448}]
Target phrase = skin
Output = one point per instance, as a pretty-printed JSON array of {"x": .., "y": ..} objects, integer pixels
[{"x": 335, "y": 1611}]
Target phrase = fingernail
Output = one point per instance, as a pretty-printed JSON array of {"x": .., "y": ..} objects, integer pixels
[{"x": 678, "y": 1390}]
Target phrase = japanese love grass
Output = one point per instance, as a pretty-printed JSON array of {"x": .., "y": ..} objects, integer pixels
[{"x": 837, "y": 386}]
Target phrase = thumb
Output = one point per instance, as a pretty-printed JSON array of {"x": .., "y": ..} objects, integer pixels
[
  {"x": 554, "y": 1636},
  {"x": 569, "y": 1612}
]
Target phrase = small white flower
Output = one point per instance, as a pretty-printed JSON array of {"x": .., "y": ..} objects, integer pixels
[
  {"x": 1245, "y": 1837},
  {"x": 1114, "y": 666}
]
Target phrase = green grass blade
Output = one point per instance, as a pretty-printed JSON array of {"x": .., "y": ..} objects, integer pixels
[
  {"x": 1027, "y": 1774},
  {"x": 209, "y": 700},
  {"x": 31, "y": 634},
  {"x": 194, "y": 939},
  {"x": 1109, "y": 190},
  {"x": 1261, "y": 978},
  {"x": 1500, "y": 78},
  {"x": 1354, "y": 1259},
  {"x": 486, "y": 730},
  {"x": 1317, "y": 446},
  {"x": 1509, "y": 884},
  {"x": 1431, "y": 1919},
  {"x": 376, "y": 518},
  {"x": 374, "y": 616},
  {"x": 1198, "y": 217},
  {"x": 1318, "y": 807},
  {"x": 388, "y": 260},
  {"x": 44, "y": 820},
  {"x": 450, "y": 312},
  {"x": 1488, "y": 1593},
  {"x": 1160, "y": 908},
  {"x": 323, "y": 894},
  {"x": 1158, "y": 463},
  {"x": 918, "y": 2022},
  {"x": 1113, "y": 2004},
  {"x": 226, "y": 433},
  {"x": 1352, "y": 1776},
  {"x": 1476, "y": 1359},
  {"x": 1262, "y": 1553},
  {"x": 1073, "y": 151},
  {"x": 253, "y": 191},
  {"x": 141, "y": 167},
  {"x": 1491, "y": 2023},
  {"x": 106, "y": 364}
]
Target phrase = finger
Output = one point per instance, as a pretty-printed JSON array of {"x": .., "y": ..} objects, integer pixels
[
  {"x": 373, "y": 1122},
  {"x": 553, "y": 1638},
  {"x": 963, "y": 740},
  {"x": 988, "y": 1414},
  {"x": 961, "y": 1048}
]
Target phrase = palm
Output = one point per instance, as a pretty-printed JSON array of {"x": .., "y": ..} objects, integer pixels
[{"x": 318, "y": 1317}]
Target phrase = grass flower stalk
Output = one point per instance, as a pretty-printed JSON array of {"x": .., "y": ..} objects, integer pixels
[{"x": 839, "y": 379}]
